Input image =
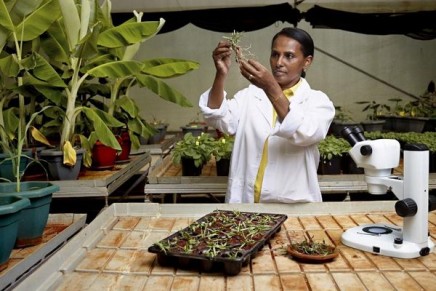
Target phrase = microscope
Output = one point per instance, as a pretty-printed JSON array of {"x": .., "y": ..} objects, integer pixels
[{"x": 378, "y": 158}]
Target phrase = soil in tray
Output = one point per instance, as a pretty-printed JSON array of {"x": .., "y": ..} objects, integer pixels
[{"x": 221, "y": 241}]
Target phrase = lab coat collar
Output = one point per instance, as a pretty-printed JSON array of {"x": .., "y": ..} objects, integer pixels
[{"x": 265, "y": 106}]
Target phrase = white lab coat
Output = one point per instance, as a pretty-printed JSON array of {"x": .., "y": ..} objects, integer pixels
[{"x": 293, "y": 156}]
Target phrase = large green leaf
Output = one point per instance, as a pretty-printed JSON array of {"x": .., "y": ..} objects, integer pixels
[
  {"x": 18, "y": 9},
  {"x": 42, "y": 70},
  {"x": 128, "y": 105},
  {"x": 71, "y": 21},
  {"x": 104, "y": 14},
  {"x": 9, "y": 66},
  {"x": 128, "y": 33},
  {"x": 38, "y": 21},
  {"x": 167, "y": 68},
  {"x": 109, "y": 120},
  {"x": 11, "y": 122},
  {"x": 97, "y": 61},
  {"x": 117, "y": 69},
  {"x": 137, "y": 126},
  {"x": 53, "y": 94},
  {"x": 6, "y": 24},
  {"x": 87, "y": 46},
  {"x": 163, "y": 90},
  {"x": 26, "y": 19},
  {"x": 56, "y": 44},
  {"x": 87, "y": 159},
  {"x": 103, "y": 132}
]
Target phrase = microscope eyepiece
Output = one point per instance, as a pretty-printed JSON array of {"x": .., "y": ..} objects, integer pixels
[{"x": 353, "y": 134}]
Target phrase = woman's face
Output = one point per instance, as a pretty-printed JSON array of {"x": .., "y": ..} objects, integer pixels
[{"x": 287, "y": 61}]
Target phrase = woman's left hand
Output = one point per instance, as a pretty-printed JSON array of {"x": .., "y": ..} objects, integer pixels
[{"x": 258, "y": 75}]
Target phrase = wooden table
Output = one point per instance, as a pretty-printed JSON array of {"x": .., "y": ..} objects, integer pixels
[
  {"x": 165, "y": 178},
  {"x": 103, "y": 183},
  {"x": 111, "y": 252}
]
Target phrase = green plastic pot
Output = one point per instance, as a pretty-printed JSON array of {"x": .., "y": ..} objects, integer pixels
[
  {"x": 10, "y": 216},
  {"x": 6, "y": 167},
  {"x": 35, "y": 216}
]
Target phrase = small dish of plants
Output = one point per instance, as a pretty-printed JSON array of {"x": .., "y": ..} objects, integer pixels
[
  {"x": 312, "y": 251},
  {"x": 221, "y": 241}
]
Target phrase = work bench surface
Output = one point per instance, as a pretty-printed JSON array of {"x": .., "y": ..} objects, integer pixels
[{"x": 111, "y": 252}]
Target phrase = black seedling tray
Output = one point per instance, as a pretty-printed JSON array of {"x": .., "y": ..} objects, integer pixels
[{"x": 221, "y": 241}]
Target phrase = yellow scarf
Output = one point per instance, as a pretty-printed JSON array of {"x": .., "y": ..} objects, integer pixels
[{"x": 264, "y": 161}]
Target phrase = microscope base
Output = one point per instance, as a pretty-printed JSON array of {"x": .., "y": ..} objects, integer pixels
[{"x": 379, "y": 239}]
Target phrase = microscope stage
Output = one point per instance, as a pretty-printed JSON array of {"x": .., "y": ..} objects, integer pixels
[{"x": 384, "y": 240}]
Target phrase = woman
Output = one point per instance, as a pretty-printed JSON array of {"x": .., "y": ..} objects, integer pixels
[{"x": 278, "y": 120}]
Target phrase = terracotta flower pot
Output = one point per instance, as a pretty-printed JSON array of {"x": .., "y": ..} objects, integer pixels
[
  {"x": 103, "y": 156},
  {"x": 126, "y": 146}
]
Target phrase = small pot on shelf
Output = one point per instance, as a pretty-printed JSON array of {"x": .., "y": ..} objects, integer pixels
[
  {"x": 223, "y": 167},
  {"x": 189, "y": 168}
]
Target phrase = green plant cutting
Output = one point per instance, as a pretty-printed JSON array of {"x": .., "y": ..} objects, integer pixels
[{"x": 241, "y": 53}]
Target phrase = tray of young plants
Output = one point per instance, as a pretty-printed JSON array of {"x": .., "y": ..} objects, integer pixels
[{"x": 221, "y": 241}]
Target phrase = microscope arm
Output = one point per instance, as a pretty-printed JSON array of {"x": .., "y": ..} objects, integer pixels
[{"x": 393, "y": 183}]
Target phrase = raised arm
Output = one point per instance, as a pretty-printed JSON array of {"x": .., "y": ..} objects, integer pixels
[{"x": 222, "y": 60}]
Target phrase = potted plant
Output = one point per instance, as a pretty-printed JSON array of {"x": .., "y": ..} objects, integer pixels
[
  {"x": 192, "y": 152},
  {"x": 84, "y": 45},
  {"x": 416, "y": 114},
  {"x": 20, "y": 63},
  {"x": 159, "y": 129},
  {"x": 331, "y": 150},
  {"x": 343, "y": 118},
  {"x": 373, "y": 120},
  {"x": 222, "y": 152},
  {"x": 196, "y": 126},
  {"x": 10, "y": 216}
]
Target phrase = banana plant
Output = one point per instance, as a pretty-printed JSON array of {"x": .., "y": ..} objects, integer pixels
[
  {"x": 21, "y": 25},
  {"x": 153, "y": 71},
  {"x": 84, "y": 46}
]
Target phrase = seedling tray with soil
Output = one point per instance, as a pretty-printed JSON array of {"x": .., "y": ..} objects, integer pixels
[{"x": 221, "y": 241}]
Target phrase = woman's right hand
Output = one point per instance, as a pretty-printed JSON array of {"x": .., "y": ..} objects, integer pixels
[{"x": 222, "y": 57}]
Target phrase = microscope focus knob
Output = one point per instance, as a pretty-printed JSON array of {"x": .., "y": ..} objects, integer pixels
[
  {"x": 406, "y": 207},
  {"x": 366, "y": 150}
]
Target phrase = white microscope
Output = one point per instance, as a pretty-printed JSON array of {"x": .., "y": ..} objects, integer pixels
[{"x": 378, "y": 158}]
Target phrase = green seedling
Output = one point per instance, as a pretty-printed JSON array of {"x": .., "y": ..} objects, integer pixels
[{"x": 241, "y": 53}]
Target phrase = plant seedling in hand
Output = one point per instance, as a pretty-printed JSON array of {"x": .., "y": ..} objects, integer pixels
[{"x": 241, "y": 53}]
